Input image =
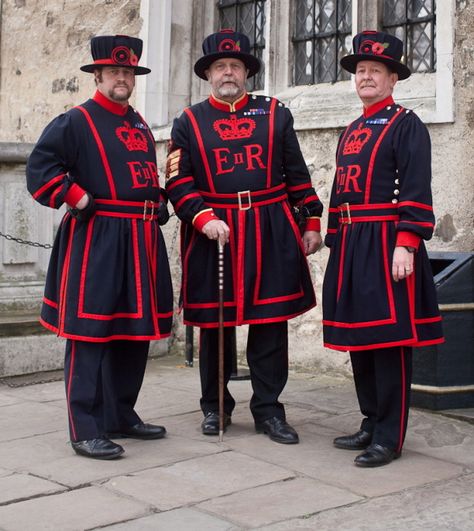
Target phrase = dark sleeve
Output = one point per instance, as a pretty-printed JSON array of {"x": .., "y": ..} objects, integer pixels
[
  {"x": 180, "y": 186},
  {"x": 298, "y": 180},
  {"x": 412, "y": 148},
  {"x": 333, "y": 213},
  {"x": 48, "y": 166}
]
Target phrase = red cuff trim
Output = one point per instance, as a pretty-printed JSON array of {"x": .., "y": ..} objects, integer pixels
[
  {"x": 74, "y": 195},
  {"x": 408, "y": 239},
  {"x": 313, "y": 224},
  {"x": 203, "y": 217}
]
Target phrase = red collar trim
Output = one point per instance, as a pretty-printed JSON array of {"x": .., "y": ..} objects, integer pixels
[
  {"x": 109, "y": 105},
  {"x": 376, "y": 107},
  {"x": 229, "y": 107}
]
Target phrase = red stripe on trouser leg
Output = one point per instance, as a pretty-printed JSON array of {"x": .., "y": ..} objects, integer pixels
[{"x": 68, "y": 389}]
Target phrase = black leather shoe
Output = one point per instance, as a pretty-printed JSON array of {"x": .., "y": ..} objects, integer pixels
[
  {"x": 97, "y": 448},
  {"x": 356, "y": 441},
  {"x": 210, "y": 424},
  {"x": 140, "y": 431},
  {"x": 376, "y": 455},
  {"x": 278, "y": 430}
]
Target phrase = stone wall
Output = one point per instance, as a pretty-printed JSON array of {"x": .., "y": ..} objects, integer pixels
[{"x": 42, "y": 46}]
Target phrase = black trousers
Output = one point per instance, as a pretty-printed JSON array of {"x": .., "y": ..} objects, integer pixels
[
  {"x": 102, "y": 385},
  {"x": 267, "y": 358},
  {"x": 382, "y": 380}
]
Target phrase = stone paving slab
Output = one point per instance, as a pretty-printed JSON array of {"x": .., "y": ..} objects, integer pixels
[
  {"x": 316, "y": 457},
  {"x": 73, "y": 470},
  {"x": 197, "y": 479},
  {"x": 47, "y": 392},
  {"x": 446, "y": 505},
  {"x": 17, "y": 487},
  {"x": 177, "y": 519},
  {"x": 70, "y": 511},
  {"x": 279, "y": 501},
  {"x": 30, "y": 418}
]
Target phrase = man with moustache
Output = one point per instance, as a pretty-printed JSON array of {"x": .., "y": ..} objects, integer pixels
[
  {"x": 379, "y": 299},
  {"x": 108, "y": 287},
  {"x": 235, "y": 170}
]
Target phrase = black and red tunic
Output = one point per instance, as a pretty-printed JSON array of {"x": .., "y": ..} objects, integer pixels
[
  {"x": 242, "y": 163},
  {"x": 108, "y": 278},
  {"x": 381, "y": 197}
]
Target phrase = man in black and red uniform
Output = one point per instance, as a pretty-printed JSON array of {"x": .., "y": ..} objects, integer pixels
[
  {"x": 108, "y": 288},
  {"x": 235, "y": 171},
  {"x": 379, "y": 299}
]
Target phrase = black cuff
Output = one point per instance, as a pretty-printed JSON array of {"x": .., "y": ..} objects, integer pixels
[{"x": 86, "y": 213}]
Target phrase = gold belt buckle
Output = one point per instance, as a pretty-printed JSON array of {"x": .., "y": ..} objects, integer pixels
[
  {"x": 247, "y": 196},
  {"x": 345, "y": 214},
  {"x": 148, "y": 214}
]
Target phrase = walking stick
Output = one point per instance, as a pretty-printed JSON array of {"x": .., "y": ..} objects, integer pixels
[{"x": 220, "y": 260}]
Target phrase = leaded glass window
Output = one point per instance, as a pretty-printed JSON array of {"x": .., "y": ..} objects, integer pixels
[
  {"x": 414, "y": 22},
  {"x": 248, "y": 17},
  {"x": 322, "y": 35}
]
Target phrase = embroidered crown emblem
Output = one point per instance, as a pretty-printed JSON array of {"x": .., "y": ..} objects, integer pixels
[
  {"x": 356, "y": 140},
  {"x": 234, "y": 128},
  {"x": 133, "y": 138}
]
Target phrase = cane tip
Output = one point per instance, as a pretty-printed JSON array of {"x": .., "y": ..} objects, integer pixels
[{"x": 221, "y": 435}]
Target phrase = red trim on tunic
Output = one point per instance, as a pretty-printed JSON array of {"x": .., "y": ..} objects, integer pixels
[
  {"x": 109, "y": 105},
  {"x": 69, "y": 385},
  {"x": 376, "y": 107},
  {"x": 408, "y": 239},
  {"x": 423, "y": 206},
  {"x": 81, "y": 313},
  {"x": 250, "y": 321},
  {"x": 101, "y": 149},
  {"x": 187, "y": 252},
  {"x": 240, "y": 296},
  {"x": 202, "y": 218},
  {"x": 103, "y": 339},
  {"x": 74, "y": 195},
  {"x": 388, "y": 271},
  {"x": 54, "y": 195},
  {"x": 428, "y": 320},
  {"x": 313, "y": 224},
  {"x": 225, "y": 106},
  {"x": 410, "y": 285},
  {"x": 374, "y": 154},
  {"x": 178, "y": 182},
  {"x": 271, "y": 129},
  {"x": 298, "y": 187},
  {"x": 185, "y": 198},
  {"x": 340, "y": 275},
  {"x": 51, "y": 303},
  {"x": 202, "y": 149},
  {"x": 48, "y": 185},
  {"x": 64, "y": 279}
]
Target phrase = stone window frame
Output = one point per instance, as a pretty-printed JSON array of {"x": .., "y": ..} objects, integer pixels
[
  {"x": 328, "y": 105},
  {"x": 322, "y": 106}
]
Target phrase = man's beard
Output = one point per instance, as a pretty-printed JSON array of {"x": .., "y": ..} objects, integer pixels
[
  {"x": 227, "y": 90},
  {"x": 120, "y": 97}
]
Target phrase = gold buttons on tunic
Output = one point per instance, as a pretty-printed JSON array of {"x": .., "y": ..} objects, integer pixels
[
  {"x": 397, "y": 181},
  {"x": 394, "y": 201},
  {"x": 396, "y": 191}
]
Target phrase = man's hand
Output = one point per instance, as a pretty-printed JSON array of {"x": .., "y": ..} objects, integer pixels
[
  {"x": 216, "y": 229},
  {"x": 311, "y": 241},
  {"x": 84, "y": 209},
  {"x": 402, "y": 265}
]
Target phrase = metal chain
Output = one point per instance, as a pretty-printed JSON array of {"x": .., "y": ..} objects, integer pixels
[{"x": 9, "y": 237}]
